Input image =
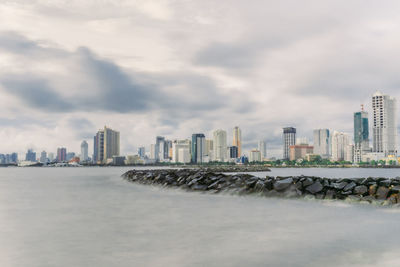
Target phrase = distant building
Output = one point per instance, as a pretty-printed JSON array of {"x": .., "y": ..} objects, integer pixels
[
  {"x": 301, "y": 141},
  {"x": 237, "y": 139},
  {"x": 50, "y": 156},
  {"x": 84, "y": 151},
  {"x": 262, "y": 147},
  {"x": 118, "y": 160},
  {"x": 153, "y": 151},
  {"x": 349, "y": 155},
  {"x": 220, "y": 146},
  {"x": 159, "y": 148},
  {"x": 43, "y": 157},
  {"x": 70, "y": 155},
  {"x": 233, "y": 152},
  {"x": 181, "y": 151},
  {"x": 254, "y": 155},
  {"x": 142, "y": 151},
  {"x": 106, "y": 145},
  {"x": 289, "y": 139},
  {"x": 30, "y": 155},
  {"x": 300, "y": 151},
  {"x": 322, "y": 143},
  {"x": 61, "y": 154},
  {"x": 340, "y": 141},
  {"x": 209, "y": 148},
  {"x": 361, "y": 135},
  {"x": 198, "y": 148},
  {"x": 384, "y": 124}
]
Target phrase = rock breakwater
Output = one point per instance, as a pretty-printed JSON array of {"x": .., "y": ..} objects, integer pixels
[{"x": 380, "y": 191}]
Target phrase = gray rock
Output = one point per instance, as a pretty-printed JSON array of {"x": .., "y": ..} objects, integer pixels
[
  {"x": 308, "y": 181},
  {"x": 386, "y": 182},
  {"x": 350, "y": 186},
  {"x": 382, "y": 193},
  {"x": 360, "y": 190},
  {"x": 259, "y": 186},
  {"x": 281, "y": 185},
  {"x": 340, "y": 185},
  {"x": 315, "y": 188}
]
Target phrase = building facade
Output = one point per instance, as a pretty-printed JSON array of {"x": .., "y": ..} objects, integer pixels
[
  {"x": 340, "y": 142},
  {"x": 322, "y": 143},
  {"x": 198, "y": 148},
  {"x": 361, "y": 135},
  {"x": 300, "y": 151},
  {"x": 106, "y": 145},
  {"x": 254, "y": 155},
  {"x": 61, "y": 154},
  {"x": 289, "y": 139},
  {"x": 262, "y": 147},
  {"x": 84, "y": 151},
  {"x": 384, "y": 128},
  {"x": 142, "y": 151},
  {"x": 237, "y": 139},
  {"x": 220, "y": 145},
  {"x": 181, "y": 151}
]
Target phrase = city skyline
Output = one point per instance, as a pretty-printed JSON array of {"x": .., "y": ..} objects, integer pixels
[{"x": 181, "y": 68}]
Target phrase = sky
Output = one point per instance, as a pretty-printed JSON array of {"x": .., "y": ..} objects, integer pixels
[{"x": 177, "y": 67}]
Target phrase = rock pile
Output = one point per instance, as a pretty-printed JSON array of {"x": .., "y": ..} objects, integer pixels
[{"x": 380, "y": 191}]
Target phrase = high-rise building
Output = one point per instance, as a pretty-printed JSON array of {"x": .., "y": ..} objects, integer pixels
[
  {"x": 255, "y": 155},
  {"x": 142, "y": 151},
  {"x": 262, "y": 147},
  {"x": 384, "y": 124},
  {"x": 70, "y": 155},
  {"x": 43, "y": 157},
  {"x": 237, "y": 139},
  {"x": 289, "y": 139},
  {"x": 159, "y": 149},
  {"x": 209, "y": 148},
  {"x": 61, "y": 154},
  {"x": 233, "y": 152},
  {"x": 220, "y": 146},
  {"x": 340, "y": 142},
  {"x": 153, "y": 151},
  {"x": 181, "y": 151},
  {"x": 51, "y": 156},
  {"x": 98, "y": 147},
  {"x": 30, "y": 155},
  {"x": 106, "y": 145},
  {"x": 198, "y": 148},
  {"x": 111, "y": 144},
  {"x": 322, "y": 143},
  {"x": 167, "y": 150},
  {"x": 84, "y": 151},
  {"x": 301, "y": 141},
  {"x": 361, "y": 135}
]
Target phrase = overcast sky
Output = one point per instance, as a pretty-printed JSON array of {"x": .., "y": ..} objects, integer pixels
[{"x": 173, "y": 68}]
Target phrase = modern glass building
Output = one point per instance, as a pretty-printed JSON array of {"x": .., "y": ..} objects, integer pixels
[
  {"x": 198, "y": 148},
  {"x": 289, "y": 139}
]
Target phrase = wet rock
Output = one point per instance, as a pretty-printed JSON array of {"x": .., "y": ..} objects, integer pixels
[
  {"x": 360, "y": 190},
  {"x": 315, "y": 188},
  {"x": 339, "y": 186},
  {"x": 382, "y": 193},
  {"x": 283, "y": 184},
  {"x": 385, "y": 183},
  {"x": 350, "y": 186},
  {"x": 308, "y": 181},
  {"x": 372, "y": 189}
]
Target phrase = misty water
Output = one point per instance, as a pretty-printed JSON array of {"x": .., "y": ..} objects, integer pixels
[{"x": 92, "y": 217}]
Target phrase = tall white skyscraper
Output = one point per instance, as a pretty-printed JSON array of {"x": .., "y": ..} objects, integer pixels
[
  {"x": 340, "y": 143},
  {"x": 262, "y": 147},
  {"x": 220, "y": 146},
  {"x": 84, "y": 151},
  {"x": 289, "y": 139},
  {"x": 322, "y": 143},
  {"x": 384, "y": 128},
  {"x": 237, "y": 139}
]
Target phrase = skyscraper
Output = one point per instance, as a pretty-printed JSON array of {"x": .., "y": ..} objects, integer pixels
[
  {"x": 181, "y": 151},
  {"x": 84, "y": 151},
  {"x": 262, "y": 147},
  {"x": 322, "y": 143},
  {"x": 340, "y": 143},
  {"x": 198, "y": 148},
  {"x": 142, "y": 151},
  {"x": 233, "y": 152},
  {"x": 159, "y": 149},
  {"x": 289, "y": 139},
  {"x": 106, "y": 145},
  {"x": 385, "y": 124},
  {"x": 30, "y": 155},
  {"x": 237, "y": 139},
  {"x": 209, "y": 147},
  {"x": 43, "y": 157},
  {"x": 220, "y": 145},
  {"x": 61, "y": 154},
  {"x": 361, "y": 135}
]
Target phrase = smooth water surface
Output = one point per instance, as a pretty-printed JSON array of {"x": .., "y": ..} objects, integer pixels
[{"x": 91, "y": 217}]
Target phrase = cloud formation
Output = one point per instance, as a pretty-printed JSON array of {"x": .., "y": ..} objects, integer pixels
[{"x": 178, "y": 67}]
